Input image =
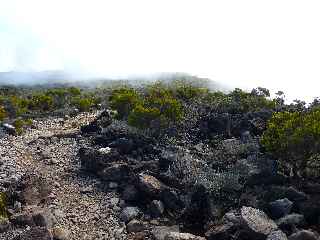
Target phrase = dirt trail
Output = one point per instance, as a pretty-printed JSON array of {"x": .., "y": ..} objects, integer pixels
[{"x": 82, "y": 204}]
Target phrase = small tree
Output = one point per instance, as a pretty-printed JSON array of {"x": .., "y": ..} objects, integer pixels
[
  {"x": 2, "y": 113},
  {"x": 124, "y": 100},
  {"x": 293, "y": 137}
]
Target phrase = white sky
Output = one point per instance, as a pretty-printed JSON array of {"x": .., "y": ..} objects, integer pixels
[{"x": 274, "y": 43}]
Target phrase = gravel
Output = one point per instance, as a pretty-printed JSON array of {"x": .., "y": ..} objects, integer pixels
[{"x": 78, "y": 201}]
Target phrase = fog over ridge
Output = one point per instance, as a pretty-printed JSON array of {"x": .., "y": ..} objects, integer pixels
[{"x": 236, "y": 44}]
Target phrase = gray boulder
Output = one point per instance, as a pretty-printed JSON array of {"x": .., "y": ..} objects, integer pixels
[
  {"x": 304, "y": 235},
  {"x": 135, "y": 226},
  {"x": 156, "y": 208},
  {"x": 280, "y": 208},
  {"x": 130, "y": 193},
  {"x": 293, "y": 219},
  {"x": 256, "y": 223},
  {"x": 129, "y": 213},
  {"x": 117, "y": 172},
  {"x": 160, "y": 232}
]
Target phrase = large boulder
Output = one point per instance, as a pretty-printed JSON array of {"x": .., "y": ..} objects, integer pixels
[
  {"x": 150, "y": 185},
  {"x": 160, "y": 232},
  {"x": 258, "y": 169},
  {"x": 310, "y": 209},
  {"x": 156, "y": 208},
  {"x": 304, "y": 235},
  {"x": 216, "y": 124},
  {"x": 93, "y": 160},
  {"x": 230, "y": 224},
  {"x": 291, "y": 220},
  {"x": 124, "y": 145},
  {"x": 280, "y": 208},
  {"x": 101, "y": 122},
  {"x": 256, "y": 223},
  {"x": 130, "y": 193},
  {"x": 135, "y": 226},
  {"x": 116, "y": 173},
  {"x": 129, "y": 213}
]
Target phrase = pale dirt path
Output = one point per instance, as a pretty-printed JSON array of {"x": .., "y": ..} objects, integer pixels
[{"x": 80, "y": 203}]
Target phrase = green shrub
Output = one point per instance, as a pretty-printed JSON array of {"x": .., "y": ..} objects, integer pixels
[
  {"x": 242, "y": 101},
  {"x": 188, "y": 91},
  {"x": 142, "y": 116},
  {"x": 3, "y": 113},
  {"x": 20, "y": 124},
  {"x": 3, "y": 208},
  {"x": 18, "y": 105},
  {"x": 74, "y": 91},
  {"x": 83, "y": 104},
  {"x": 124, "y": 100},
  {"x": 293, "y": 137},
  {"x": 41, "y": 102}
]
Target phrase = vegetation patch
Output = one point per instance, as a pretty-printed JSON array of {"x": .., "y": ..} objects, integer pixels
[{"x": 293, "y": 137}]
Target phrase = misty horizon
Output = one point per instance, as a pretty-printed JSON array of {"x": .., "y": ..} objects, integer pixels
[{"x": 243, "y": 44}]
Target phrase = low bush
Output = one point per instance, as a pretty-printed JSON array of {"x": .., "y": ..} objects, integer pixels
[
  {"x": 41, "y": 102},
  {"x": 20, "y": 124},
  {"x": 124, "y": 100},
  {"x": 293, "y": 137},
  {"x": 3, "y": 113},
  {"x": 3, "y": 209},
  {"x": 83, "y": 104},
  {"x": 142, "y": 116}
]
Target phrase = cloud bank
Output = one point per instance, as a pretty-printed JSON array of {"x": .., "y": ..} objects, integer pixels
[{"x": 274, "y": 44}]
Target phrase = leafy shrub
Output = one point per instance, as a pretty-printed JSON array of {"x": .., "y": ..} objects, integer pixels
[
  {"x": 2, "y": 113},
  {"x": 83, "y": 104},
  {"x": 19, "y": 124},
  {"x": 3, "y": 209},
  {"x": 124, "y": 100},
  {"x": 157, "y": 105},
  {"x": 42, "y": 102},
  {"x": 169, "y": 107},
  {"x": 142, "y": 116},
  {"x": 293, "y": 137},
  {"x": 74, "y": 91},
  {"x": 242, "y": 101}
]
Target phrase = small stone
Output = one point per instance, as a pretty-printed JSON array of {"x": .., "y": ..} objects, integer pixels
[
  {"x": 277, "y": 235},
  {"x": 114, "y": 201},
  {"x": 85, "y": 190},
  {"x": 60, "y": 234},
  {"x": 182, "y": 236}
]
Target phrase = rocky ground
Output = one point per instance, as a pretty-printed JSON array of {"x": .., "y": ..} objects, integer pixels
[
  {"x": 80, "y": 206},
  {"x": 92, "y": 177}
]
